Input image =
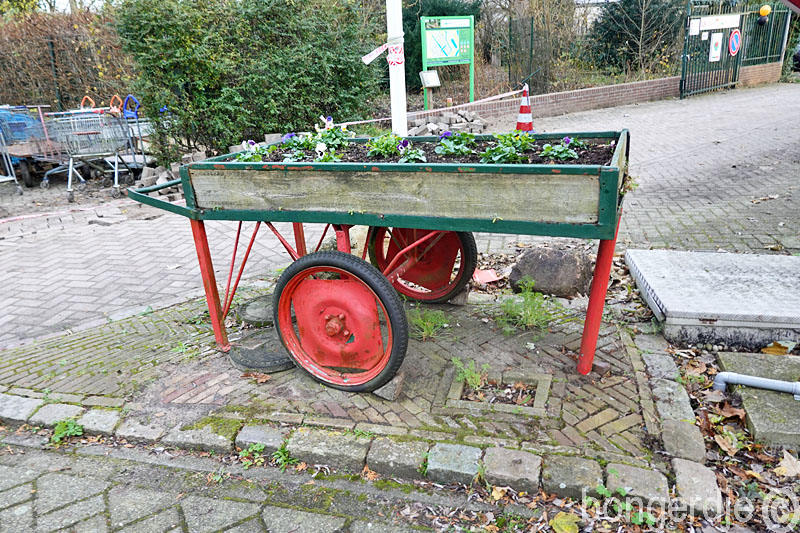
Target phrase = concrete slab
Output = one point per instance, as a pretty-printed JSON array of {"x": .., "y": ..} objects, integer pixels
[
  {"x": 772, "y": 417},
  {"x": 720, "y": 298}
]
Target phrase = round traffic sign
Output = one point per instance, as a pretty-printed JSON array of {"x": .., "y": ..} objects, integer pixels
[{"x": 735, "y": 42}]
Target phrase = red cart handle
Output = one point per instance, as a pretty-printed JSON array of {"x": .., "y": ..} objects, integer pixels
[
  {"x": 115, "y": 108},
  {"x": 87, "y": 97}
]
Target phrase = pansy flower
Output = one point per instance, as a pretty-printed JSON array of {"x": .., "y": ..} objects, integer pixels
[
  {"x": 249, "y": 146},
  {"x": 566, "y": 140},
  {"x": 403, "y": 146},
  {"x": 286, "y": 138},
  {"x": 445, "y": 135}
]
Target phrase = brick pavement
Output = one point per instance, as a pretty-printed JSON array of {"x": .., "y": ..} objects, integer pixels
[{"x": 700, "y": 164}]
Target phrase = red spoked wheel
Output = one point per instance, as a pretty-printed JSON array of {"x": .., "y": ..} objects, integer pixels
[
  {"x": 441, "y": 266},
  {"x": 341, "y": 321}
]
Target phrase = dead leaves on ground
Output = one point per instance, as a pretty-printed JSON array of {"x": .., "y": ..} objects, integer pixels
[
  {"x": 259, "y": 377},
  {"x": 789, "y": 466}
]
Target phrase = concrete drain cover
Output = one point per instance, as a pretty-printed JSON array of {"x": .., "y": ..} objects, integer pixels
[
  {"x": 261, "y": 351},
  {"x": 453, "y": 403},
  {"x": 720, "y": 298},
  {"x": 257, "y": 312}
]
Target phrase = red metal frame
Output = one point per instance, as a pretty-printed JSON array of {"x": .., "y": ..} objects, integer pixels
[
  {"x": 218, "y": 311},
  {"x": 597, "y": 300}
]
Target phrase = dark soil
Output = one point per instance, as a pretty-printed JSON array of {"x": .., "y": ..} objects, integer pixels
[
  {"x": 593, "y": 154},
  {"x": 516, "y": 394}
]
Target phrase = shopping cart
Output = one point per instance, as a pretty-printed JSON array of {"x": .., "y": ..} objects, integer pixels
[
  {"x": 6, "y": 166},
  {"x": 93, "y": 139},
  {"x": 28, "y": 143}
]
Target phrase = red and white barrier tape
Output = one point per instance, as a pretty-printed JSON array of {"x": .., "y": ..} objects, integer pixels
[{"x": 415, "y": 113}]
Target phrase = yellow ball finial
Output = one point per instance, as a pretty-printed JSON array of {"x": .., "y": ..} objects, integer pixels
[{"x": 765, "y": 10}]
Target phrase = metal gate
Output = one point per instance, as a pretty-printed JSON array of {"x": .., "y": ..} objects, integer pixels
[{"x": 708, "y": 59}]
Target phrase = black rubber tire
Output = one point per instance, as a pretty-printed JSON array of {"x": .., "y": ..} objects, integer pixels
[
  {"x": 395, "y": 313},
  {"x": 25, "y": 173},
  {"x": 469, "y": 262}
]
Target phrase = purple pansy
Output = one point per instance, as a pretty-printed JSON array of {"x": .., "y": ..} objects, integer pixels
[
  {"x": 566, "y": 140},
  {"x": 288, "y": 136},
  {"x": 402, "y": 146},
  {"x": 445, "y": 135}
]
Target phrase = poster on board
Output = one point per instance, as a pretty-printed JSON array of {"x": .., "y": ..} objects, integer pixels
[{"x": 715, "y": 49}]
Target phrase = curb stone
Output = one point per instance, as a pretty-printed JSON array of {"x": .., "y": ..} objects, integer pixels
[
  {"x": 571, "y": 477},
  {"x": 683, "y": 440},
  {"x": 453, "y": 463},
  {"x": 99, "y": 421},
  {"x": 135, "y": 431},
  {"x": 397, "y": 459},
  {"x": 16, "y": 409},
  {"x": 272, "y": 438},
  {"x": 516, "y": 469},
  {"x": 696, "y": 486},
  {"x": 649, "y": 485},
  {"x": 50, "y": 414},
  {"x": 204, "y": 439},
  {"x": 672, "y": 400},
  {"x": 347, "y": 452}
]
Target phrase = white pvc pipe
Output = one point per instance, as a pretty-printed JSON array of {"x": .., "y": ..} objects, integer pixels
[
  {"x": 397, "y": 73},
  {"x": 723, "y": 379}
]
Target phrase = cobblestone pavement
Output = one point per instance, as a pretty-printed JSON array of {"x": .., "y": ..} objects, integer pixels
[
  {"x": 707, "y": 168},
  {"x": 101, "y": 489}
]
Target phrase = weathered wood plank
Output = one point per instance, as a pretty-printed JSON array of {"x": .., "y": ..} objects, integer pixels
[{"x": 529, "y": 197}]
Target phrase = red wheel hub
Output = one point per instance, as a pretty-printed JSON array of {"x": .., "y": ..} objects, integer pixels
[{"x": 338, "y": 323}]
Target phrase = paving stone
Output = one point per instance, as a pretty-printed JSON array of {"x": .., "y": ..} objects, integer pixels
[
  {"x": 14, "y": 475},
  {"x": 56, "y": 490},
  {"x": 571, "y": 477},
  {"x": 16, "y": 495},
  {"x": 17, "y": 519},
  {"x": 126, "y": 504},
  {"x": 93, "y": 525},
  {"x": 99, "y": 421},
  {"x": 204, "y": 515},
  {"x": 251, "y": 526},
  {"x": 672, "y": 401},
  {"x": 103, "y": 401},
  {"x": 49, "y": 415},
  {"x": 280, "y": 520},
  {"x": 513, "y": 468},
  {"x": 651, "y": 343},
  {"x": 603, "y": 417},
  {"x": 453, "y": 463},
  {"x": 136, "y": 430},
  {"x": 397, "y": 459},
  {"x": 392, "y": 389},
  {"x": 204, "y": 439},
  {"x": 649, "y": 485},
  {"x": 271, "y": 437},
  {"x": 346, "y": 452},
  {"x": 661, "y": 366},
  {"x": 69, "y": 515},
  {"x": 380, "y": 429},
  {"x": 16, "y": 409},
  {"x": 696, "y": 487},
  {"x": 163, "y": 521},
  {"x": 683, "y": 440}
]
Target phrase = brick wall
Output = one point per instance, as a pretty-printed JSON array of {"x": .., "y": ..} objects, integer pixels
[
  {"x": 758, "y": 74},
  {"x": 547, "y": 105}
]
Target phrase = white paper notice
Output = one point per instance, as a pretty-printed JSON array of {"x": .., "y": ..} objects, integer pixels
[
  {"x": 694, "y": 27},
  {"x": 715, "y": 50}
]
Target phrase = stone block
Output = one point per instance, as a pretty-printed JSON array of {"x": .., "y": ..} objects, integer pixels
[
  {"x": 696, "y": 487},
  {"x": 271, "y": 138},
  {"x": 513, "y": 468},
  {"x": 103, "y": 401},
  {"x": 49, "y": 414},
  {"x": 672, "y": 400},
  {"x": 271, "y": 437},
  {"x": 443, "y": 126},
  {"x": 343, "y": 452},
  {"x": 148, "y": 172},
  {"x": 459, "y": 127},
  {"x": 650, "y": 486},
  {"x": 282, "y": 520},
  {"x": 571, "y": 477},
  {"x": 136, "y": 430},
  {"x": 432, "y": 127},
  {"x": 453, "y": 463},
  {"x": 556, "y": 272},
  {"x": 16, "y": 409},
  {"x": 391, "y": 390},
  {"x": 99, "y": 421},
  {"x": 418, "y": 131},
  {"x": 661, "y": 366},
  {"x": 199, "y": 156},
  {"x": 683, "y": 440},
  {"x": 204, "y": 439},
  {"x": 397, "y": 459}
]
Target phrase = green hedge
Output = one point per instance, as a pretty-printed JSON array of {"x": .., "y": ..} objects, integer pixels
[{"x": 229, "y": 70}]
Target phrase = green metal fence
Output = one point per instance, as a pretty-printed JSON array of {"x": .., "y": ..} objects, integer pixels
[{"x": 708, "y": 63}]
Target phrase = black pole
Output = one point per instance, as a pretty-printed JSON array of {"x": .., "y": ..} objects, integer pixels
[{"x": 51, "y": 47}]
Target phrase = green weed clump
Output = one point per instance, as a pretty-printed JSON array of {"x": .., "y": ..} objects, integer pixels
[
  {"x": 426, "y": 323},
  {"x": 528, "y": 310},
  {"x": 64, "y": 430},
  {"x": 470, "y": 374}
]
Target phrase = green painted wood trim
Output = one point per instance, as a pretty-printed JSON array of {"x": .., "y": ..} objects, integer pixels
[
  {"x": 188, "y": 191},
  {"x": 137, "y": 194}
]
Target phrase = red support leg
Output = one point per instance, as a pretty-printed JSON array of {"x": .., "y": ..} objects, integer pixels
[
  {"x": 597, "y": 300},
  {"x": 210, "y": 284},
  {"x": 343, "y": 238},
  {"x": 299, "y": 238}
]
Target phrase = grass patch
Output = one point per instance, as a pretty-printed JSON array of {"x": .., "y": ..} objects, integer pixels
[
  {"x": 527, "y": 310},
  {"x": 426, "y": 323}
]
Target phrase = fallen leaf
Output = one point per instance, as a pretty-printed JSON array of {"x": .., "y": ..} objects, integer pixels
[
  {"x": 565, "y": 523},
  {"x": 498, "y": 493},
  {"x": 789, "y": 466},
  {"x": 730, "y": 412},
  {"x": 260, "y": 377},
  {"x": 726, "y": 444},
  {"x": 695, "y": 367},
  {"x": 779, "y": 348},
  {"x": 371, "y": 475},
  {"x": 301, "y": 467},
  {"x": 713, "y": 396},
  {"x": 756, "y": 475}
]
